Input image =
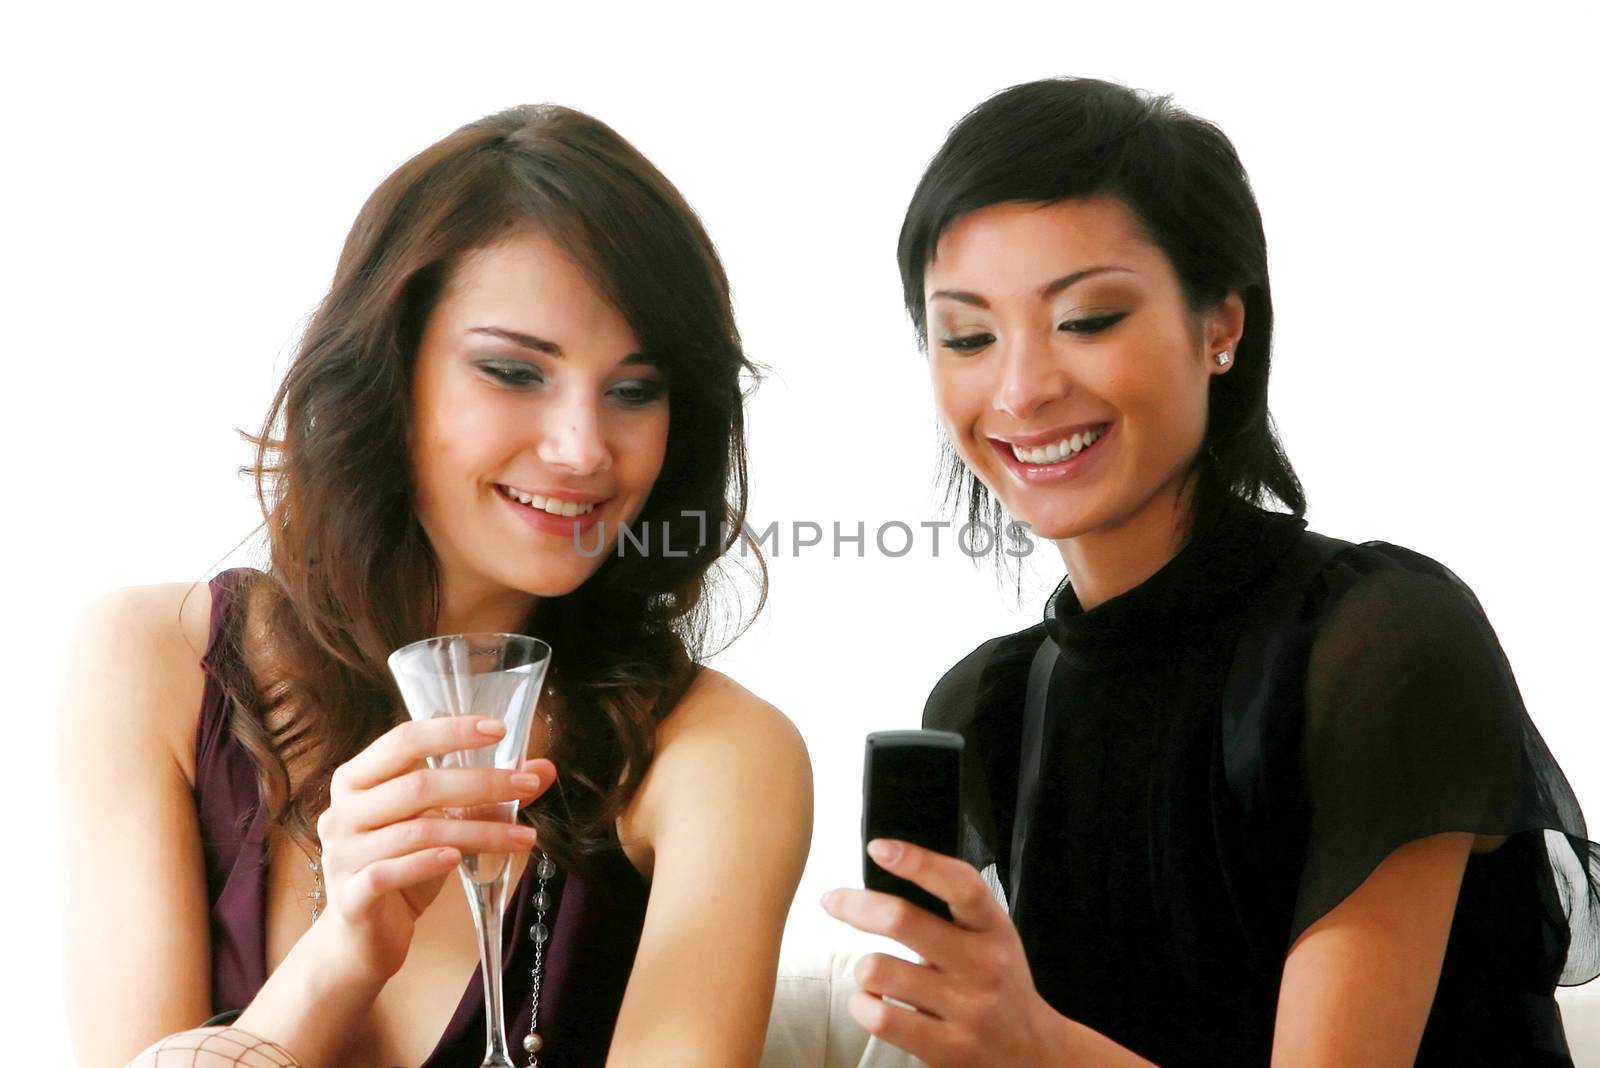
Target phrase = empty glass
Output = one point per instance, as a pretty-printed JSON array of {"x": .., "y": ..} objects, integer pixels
[{"x": 499, "y": 676}]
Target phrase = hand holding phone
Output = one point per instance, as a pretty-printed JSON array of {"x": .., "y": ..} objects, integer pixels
[{"x": 911, "y": 792}]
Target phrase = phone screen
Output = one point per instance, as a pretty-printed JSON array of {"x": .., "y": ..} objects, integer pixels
[{"x": 912, "y": 792}]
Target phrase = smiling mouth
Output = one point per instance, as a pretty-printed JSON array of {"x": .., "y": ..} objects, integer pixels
[
  {"x": 1057, "y": 452},
  {"x": 549, "y": 505}
]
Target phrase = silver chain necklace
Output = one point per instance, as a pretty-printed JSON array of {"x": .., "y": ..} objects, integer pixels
[{"x": 540, "y": 933}]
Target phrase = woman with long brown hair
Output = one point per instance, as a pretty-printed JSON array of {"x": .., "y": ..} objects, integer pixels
[{"x": 528, "y": 346}]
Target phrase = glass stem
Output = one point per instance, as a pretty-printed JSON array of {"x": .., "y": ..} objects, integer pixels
[{"x": 488, "y": 913}]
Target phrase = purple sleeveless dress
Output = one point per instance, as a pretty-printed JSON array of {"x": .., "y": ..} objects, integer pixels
[{"x": 595, "y": 922}]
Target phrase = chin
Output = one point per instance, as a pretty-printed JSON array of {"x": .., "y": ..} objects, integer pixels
[
  {"x": 1057, "y": 525},
  {"x": 544, "y": 577},
  {"x": 1058, "y": 531},
  {"x": 555, "y": 582}
]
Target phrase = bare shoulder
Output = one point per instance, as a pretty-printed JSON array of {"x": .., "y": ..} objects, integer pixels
[
  {"x": 157, "y": 615},
  {"x": 720, "y": 728},
  {"x": 715, "y": 708},
  {"x": 136, "y": 682},
  {"x": 719, "y": 748}
]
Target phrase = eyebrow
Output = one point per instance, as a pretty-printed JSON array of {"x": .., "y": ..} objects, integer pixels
[
  {"x": 1046, "y": 291},
  {"x": 539, "y": 344}
]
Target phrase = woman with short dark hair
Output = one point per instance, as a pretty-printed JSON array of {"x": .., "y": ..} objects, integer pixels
[{"x": 1248, "y": 793}]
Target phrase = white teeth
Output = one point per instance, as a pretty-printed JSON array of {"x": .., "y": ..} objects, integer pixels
[
  {"x": 553, "y": 505},
  {"x": 1056, "y": 451}
]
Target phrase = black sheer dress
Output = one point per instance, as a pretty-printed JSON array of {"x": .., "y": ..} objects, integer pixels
[{"x": 1226, "y": 751}]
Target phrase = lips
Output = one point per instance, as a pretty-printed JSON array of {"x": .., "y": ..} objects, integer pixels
[
  {"x": 556, "y": 504},
  {"x": 1070, "y": 466},
  {"x": 542, "y": 520},
  {"x": 1062, "y": 447}
]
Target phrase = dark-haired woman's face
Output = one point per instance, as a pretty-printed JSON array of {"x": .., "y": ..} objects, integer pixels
[
  {"x": 536, "y": 419},
  {"x": 1068, "y": 369}
]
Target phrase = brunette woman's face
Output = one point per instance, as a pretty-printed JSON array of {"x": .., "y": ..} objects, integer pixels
[
  {"x": 536, "y": 420},
  {"x": 1068, "y": 369}
]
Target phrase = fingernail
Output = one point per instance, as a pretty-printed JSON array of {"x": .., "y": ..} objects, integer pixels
[
  {"x": 492, "y": 727},
  {"x": 525, "y": 836},
  {"x": 523, "y": 782},
  {"x": 827, "y": 900},
  {"x": 884, "y": 850}
]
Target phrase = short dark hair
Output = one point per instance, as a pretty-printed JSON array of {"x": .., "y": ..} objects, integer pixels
[{"x": 1051, "y": 140}]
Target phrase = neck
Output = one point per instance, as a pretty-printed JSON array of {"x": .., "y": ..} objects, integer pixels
[
  {"x": 1111, "y": 560},
  {"x": 482, "y": 607}
]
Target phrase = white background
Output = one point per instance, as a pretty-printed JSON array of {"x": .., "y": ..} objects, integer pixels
[{"x": 176, "y": 187}]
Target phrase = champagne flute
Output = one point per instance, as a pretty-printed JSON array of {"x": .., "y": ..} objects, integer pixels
[{"x": 499, "y": 676}]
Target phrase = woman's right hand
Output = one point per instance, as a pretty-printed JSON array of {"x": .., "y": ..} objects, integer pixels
[{"x": 386, "y": 847}]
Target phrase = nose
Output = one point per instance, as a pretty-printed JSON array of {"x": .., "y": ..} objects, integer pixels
[
  {"x": 1031, "y": 376},
  {"x": 573, "y": 438}
]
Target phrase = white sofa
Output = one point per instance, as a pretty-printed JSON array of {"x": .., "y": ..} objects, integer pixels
[
  {"x": 1580, "y": 1012},
  {"x": 811, "y": 1026}
]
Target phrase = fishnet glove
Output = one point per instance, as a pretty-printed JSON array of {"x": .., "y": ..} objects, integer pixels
[{"x": 214, "y": 1047}]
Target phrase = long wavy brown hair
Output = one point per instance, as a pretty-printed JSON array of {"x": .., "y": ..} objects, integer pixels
[{"x": 352, "y": 575}]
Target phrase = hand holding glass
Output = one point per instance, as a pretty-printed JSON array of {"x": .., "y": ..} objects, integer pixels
[{"x": 499, "y": 676}]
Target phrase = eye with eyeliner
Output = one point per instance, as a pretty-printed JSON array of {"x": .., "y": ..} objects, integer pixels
[
  {"x": 967, "y": 343},
  {"x": 1088, "y": 325},
  {"x": 514, "y": 373},
  {"x": 517, "y": 374},
  {"x": 1093, "y": 324},
  {"x": 638, "y": 392}
]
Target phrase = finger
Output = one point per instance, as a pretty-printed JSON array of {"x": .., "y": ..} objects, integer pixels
[
  {"x": 415, "y": 792},
  {"x": 546, "y": 772},
  {"x": 918, "y": 985},
  {"x": 933, "y": 938},
  {"x": 413, "y": 836},
  {"x": 923, "y": 1036},
  {"x": 397, "y": 873},
  {"x": 406, "y": 745},
  {"x": 540, "y": 766},
  {"x": 953, "y": 881}
]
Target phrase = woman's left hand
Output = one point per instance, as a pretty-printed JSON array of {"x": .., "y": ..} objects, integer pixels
[{"x": 973, "y": 992}]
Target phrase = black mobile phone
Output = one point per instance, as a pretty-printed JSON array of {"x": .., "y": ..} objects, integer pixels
[{"x": 912, "y": 792}]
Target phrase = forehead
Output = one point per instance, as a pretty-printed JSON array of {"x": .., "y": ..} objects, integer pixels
[
  {"x": 529, "y": 278},
  {"x": 1023, "y": 245}
]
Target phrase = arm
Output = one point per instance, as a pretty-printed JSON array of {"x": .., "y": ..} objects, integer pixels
[
  {"x": 726, "y": 811},
  {"x": 125, "y": 736},
  {"x": 138, "y": 961},
  {"x": 1356, "y": 988},
  {"x": 1413, "y": 736},
  {"x": 1359, "y": 982}
]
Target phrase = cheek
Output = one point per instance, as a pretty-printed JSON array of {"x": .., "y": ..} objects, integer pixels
[
  {"x": 958, "y": 399},
  {"x": 460, "y": 439},
  {"x": 641, "y": 445},
  {"x": 1167, "y": 409},
  {"x": 1150, "y": 378}
]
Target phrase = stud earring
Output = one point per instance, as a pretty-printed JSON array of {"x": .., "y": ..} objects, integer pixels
[{"x": 1223, "y": 358}]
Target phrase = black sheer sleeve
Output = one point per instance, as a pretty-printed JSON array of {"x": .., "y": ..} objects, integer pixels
[
  {"x": 980, "y": 698},
  {"x": 1414, "y": 726}
]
